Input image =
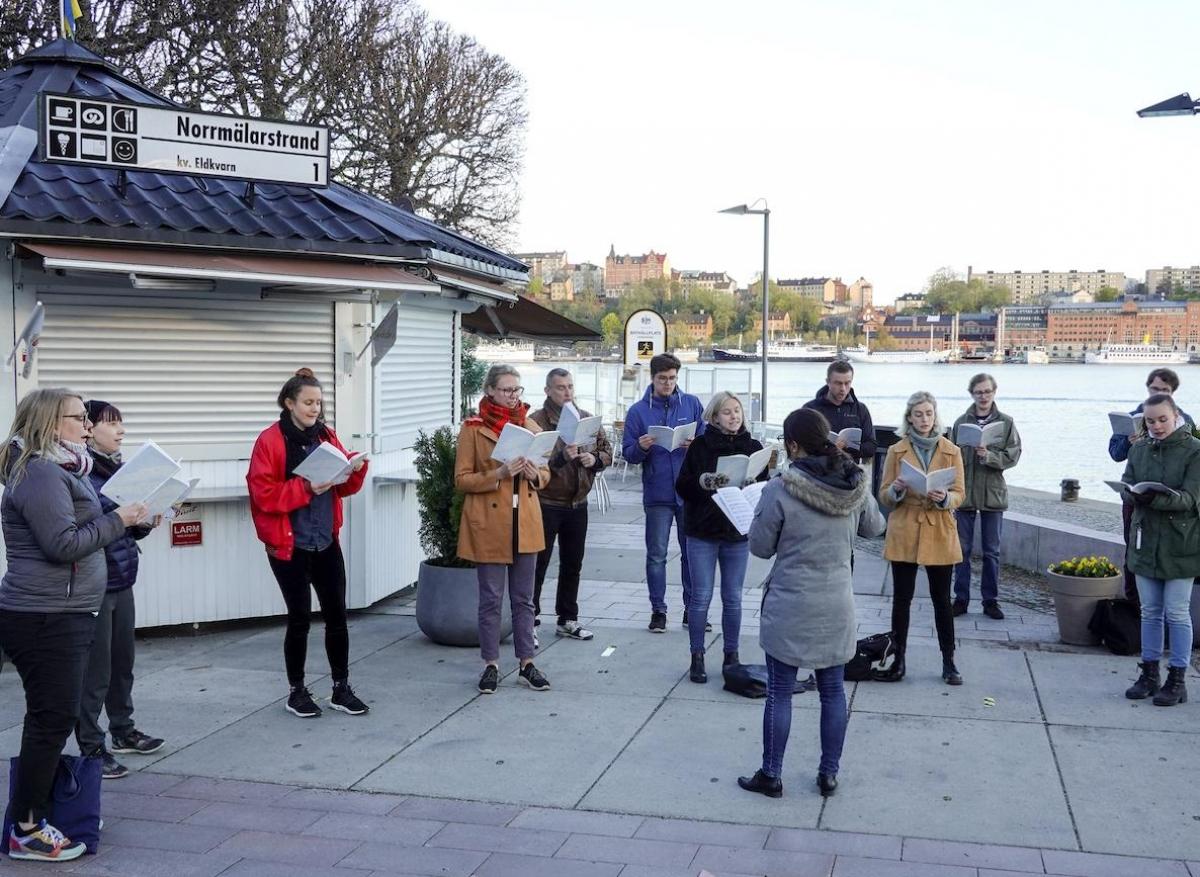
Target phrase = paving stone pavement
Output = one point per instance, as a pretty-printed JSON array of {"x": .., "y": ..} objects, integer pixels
[{"x": 1037, "y": 765}]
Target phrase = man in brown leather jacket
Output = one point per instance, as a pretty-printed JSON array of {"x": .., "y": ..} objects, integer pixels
[{"x": 564, "y": 505}]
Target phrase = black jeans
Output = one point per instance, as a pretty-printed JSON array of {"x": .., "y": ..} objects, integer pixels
[
  {"x": 569, "y": 527},
  {"x": 108, "y": 680},
  {"x": 50, "y": 652},
  {"x": 904, "y": 580},
  {"x": 325, "y": 571}
]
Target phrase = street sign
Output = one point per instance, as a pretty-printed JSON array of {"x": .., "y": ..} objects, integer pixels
[
  {"x": 129, "y": 136},
  {"x": 645, "y": 336}
]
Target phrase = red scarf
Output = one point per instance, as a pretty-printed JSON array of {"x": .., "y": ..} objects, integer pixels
[{"x": 494, "y": 416}]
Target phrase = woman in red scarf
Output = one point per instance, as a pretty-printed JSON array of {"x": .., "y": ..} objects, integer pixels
[{"x": 501, "y": 526}]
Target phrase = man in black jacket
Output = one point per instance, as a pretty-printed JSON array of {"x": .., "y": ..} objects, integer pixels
[{"x": 836, "y": 400}]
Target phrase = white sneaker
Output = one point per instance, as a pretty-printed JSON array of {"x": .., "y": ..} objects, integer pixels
[{"x": 574, "y": 630}]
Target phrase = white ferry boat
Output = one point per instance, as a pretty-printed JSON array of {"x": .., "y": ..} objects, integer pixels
[
  {"x": 505, "y": 351},
  {"x": 1035, "y": 356},
  {"x": 862, "y": 354},
  {"x": 781, "y": 350},
  {"x": 1135, "y": 354}
]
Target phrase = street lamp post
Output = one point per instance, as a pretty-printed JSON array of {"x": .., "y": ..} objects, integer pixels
[{"x": 765, "y": 213}]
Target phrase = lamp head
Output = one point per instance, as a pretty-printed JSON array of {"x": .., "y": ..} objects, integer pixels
[
  {"x": 1180, "y": 105},
  {"x": 738, "y": 210}
]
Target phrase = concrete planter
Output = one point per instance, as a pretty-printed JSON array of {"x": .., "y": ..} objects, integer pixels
[
  {"x": 448, "y": 606},
  {"x": 1075, "y": 600}
]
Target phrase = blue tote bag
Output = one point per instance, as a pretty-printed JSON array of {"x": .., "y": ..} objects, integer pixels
[{"x": 74, "y": 800}]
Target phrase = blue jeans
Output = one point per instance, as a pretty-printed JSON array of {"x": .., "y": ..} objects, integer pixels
[
  {"x": 658, "y": 538},
  {"x": 777, "y": 716},
  {"x": 1168, "y": 599},
  {"x": 703, "y": 557},
  {"x": 989, "y": 586}
]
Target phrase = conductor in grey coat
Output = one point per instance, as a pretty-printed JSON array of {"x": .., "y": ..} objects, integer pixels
[{"x": 807, "y": 519}]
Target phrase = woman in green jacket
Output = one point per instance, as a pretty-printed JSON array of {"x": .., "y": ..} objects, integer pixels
[
  {"x": 1164, "y": 544},
  {"x": 986, "y": 493}
]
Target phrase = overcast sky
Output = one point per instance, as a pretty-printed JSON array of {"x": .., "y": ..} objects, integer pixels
[{"x": 889, "y": 138}]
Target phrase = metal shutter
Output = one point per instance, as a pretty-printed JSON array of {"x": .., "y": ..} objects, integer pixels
[
  {"x": 416, "y": 378},
  {"x": 199, "y": 373}
]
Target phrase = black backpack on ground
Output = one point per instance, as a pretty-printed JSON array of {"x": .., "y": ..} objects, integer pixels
[
  {"x": 1118, "y": 623},
  {"x": 871, "y": 654}
]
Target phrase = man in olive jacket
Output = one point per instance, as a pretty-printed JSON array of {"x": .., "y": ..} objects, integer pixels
[
  {"x": 564, "y": 506},
  {"x": 986, "y": 494}
]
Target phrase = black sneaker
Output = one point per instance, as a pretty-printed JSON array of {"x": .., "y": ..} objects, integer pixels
[
  {"x": 533, "y": 677},
  {"x": 658, "y": 622},
  {"x": 992, "y": 610},
  {"x": 136, "y": 743},
  {"x": 300, "y": 703},
  {"x": 960, "y": 607},
  {"x": 112, "y": 769},
  {"x": 346, "y": 700},
  {"x": 489, "y": 680}
]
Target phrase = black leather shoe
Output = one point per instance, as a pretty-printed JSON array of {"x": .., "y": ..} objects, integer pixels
[
  {"x": 696, "y": 673},
  {"x": 893, "y": 673},
  {"x": 731, "y": 658},
  {"x": 950, "y": 673},
  {"x": 827, "y": 783},
  {"x": 992, "y": 610},
  {"x": 960, "y": 607},
  {"x": 763, "y": 784}
]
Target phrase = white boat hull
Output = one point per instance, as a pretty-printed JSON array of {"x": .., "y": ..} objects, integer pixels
[
  {"x": 1135, "y": 354},
  {"x": 896, "y": 357}
]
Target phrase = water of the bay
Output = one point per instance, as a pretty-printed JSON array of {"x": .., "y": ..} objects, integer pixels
[{"x": 1060, "y": 410}]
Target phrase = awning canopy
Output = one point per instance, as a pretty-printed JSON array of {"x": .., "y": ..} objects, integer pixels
[
  {"x": 297, "y": 272},
  {"x": 525, "y": 318}
]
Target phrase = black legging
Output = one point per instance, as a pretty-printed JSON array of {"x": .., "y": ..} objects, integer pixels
[
  {"x": 325, "y": 571},
  {"x": 904, "y": 580}
]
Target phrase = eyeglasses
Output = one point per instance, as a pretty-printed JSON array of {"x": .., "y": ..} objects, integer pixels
[
  {"x": 510, "y": 391},
  {"x": 82, "y": 418}
]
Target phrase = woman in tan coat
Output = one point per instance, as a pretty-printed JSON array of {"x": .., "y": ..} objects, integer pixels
[
  {"x": 501, "y": 526},
  {"x": 921, "y": 529}
]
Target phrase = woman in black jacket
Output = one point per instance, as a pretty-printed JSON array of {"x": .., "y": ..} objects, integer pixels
[
  {"x": 711, "y": 537},
  {"x": 108, "y": 683}
]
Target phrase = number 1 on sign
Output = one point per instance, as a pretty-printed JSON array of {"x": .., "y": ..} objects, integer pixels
[{"x": 316, "y": 172}]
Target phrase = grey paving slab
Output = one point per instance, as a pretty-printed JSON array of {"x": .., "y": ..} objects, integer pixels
[
  {"x": 154, "y": 836},
  {"x": 156, "y": 809},
  {"x": 500, "y": 839},
  {"x": 187, "y": 704},
  {"x": 253, "y": 817},
  {"x": 334, "y": 750},
  {"x": 1088, "y": 690},
  {"x": 694, "y": 831},
  {"x": 477, "y": 754},
  {"x": 234, "y": 790},
  {"x": 417, "y": 659},
  {"x": 642, "y": 662},
  {"x": 597, "y": 848},
  {"x": 250, "y": 868},
  {"x": 840, "y": 843},
  {"x": 445, "y": 810},
  {"x": 695, "y": 751},
  {"x": 358, "y": 826},
  {"x": 921, "y": 777},
  {"x": 714, "y": 691},
  {"x": 1149, "y": 773},
  {"x": 940, "y": 852},
  {"x": 1093, "y": 865},
  {"x": 772, "y": 863},
  {"x": 656, "y": 871},
  {"x": 387, "y": 857},
  {"x": 510, "y": 865},
  {"x": 342, "y": 801},
  {"x": 115, "y": 861},
  {"x": 999, "y": 674},
  {"x": 853, "y": 866},
  {"x": 287, "y": 848},
  {"x": 580, "y": 822}
]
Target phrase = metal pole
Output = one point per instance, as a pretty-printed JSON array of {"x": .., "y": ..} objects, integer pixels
[{"x": 766, "y": 311}]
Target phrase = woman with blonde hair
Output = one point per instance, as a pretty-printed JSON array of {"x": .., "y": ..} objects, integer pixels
[
  {"x": 921, "y": 529},
  {"x": 711, "y": 536},
  {"x": 54, "y": 535},
  {"x": 501, "y": 527}
]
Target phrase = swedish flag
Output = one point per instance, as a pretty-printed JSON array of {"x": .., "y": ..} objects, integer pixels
[{"x": 70, "y": 12}]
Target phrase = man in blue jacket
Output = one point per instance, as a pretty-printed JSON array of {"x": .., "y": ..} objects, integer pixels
[{"x": 663, "y": 405}]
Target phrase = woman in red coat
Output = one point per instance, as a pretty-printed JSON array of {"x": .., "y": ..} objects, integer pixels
[{"x": 299, "y": 521}]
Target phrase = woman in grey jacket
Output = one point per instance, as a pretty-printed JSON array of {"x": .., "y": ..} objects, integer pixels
[
  {"x": 54, "y": 534},
  {"x": 808, "y": 519}
]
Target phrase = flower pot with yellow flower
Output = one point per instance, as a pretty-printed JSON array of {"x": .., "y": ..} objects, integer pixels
[{"x": 1078, "y": 584}]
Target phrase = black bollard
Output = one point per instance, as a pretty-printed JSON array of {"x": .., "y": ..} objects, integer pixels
[{"x": 1070, "y": 489}]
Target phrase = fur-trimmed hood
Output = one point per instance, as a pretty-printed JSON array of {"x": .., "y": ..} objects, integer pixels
[{"x": 825, "y": 498}]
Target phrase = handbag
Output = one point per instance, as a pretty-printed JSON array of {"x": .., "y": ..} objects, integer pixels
[
  {"x": 870, "y": 654},
  {"x": 1118, "y": 624},
  {"x": 750, "y": 680},
  {"x": 74, "y": 798}
]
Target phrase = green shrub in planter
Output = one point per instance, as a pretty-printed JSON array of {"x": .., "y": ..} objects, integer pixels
[{"x": 440, "y": 503}]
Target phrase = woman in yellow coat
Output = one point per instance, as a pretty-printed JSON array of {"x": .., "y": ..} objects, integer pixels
[
  {"x": 501, "y": 526},
  {"x": 921, "y": 529}
]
